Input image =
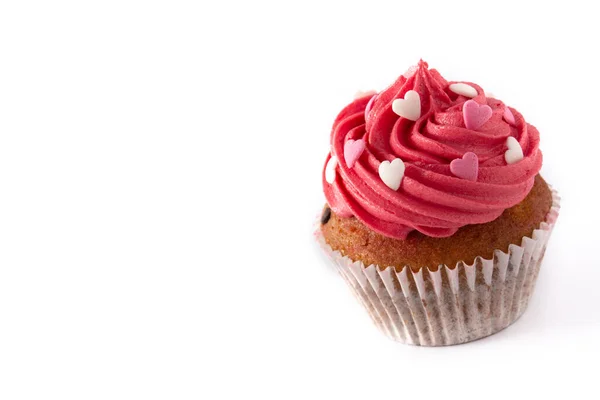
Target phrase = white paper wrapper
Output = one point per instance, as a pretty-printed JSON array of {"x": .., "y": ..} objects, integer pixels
[{"x": 450, "y": 305}]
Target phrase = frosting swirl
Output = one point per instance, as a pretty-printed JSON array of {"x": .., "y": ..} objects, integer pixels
[{"x": 430, "y": 199}]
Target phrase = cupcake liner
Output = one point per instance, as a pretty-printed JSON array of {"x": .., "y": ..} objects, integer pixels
[{"x": 445, "y": 306}]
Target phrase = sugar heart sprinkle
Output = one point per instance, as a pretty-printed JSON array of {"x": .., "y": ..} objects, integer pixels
[
  {"x": 391, "y": 173},
  {"x": 330, "y": 169},
  {"x": 514, "y": 154},
  {"x": 352, "y": 151},
  {"x": 508, "y": 116},
  {"x": 364, "y": 93},
  {"x": 463, "y": 89},
  {"x": 369, "y": 106},
  {"x": 410, "y": 71},
  {"x": 466, "y": 167},
  {"x": 409, "y": 107},
  {"x": 475, "y": 114}
]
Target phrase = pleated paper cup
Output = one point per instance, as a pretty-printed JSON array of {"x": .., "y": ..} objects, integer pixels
[{"x": 446, "y": 306}]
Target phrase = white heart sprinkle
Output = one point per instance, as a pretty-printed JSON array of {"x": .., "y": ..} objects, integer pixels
[
  {"x": 409, "y": 107},
  {"x": 463, "y": 89},
  {"x": 365, "y": 93},
  {"x": 514, "y": 154},
  {"x": 330, "y": 169},
  {"x": 391, "y": 173}
]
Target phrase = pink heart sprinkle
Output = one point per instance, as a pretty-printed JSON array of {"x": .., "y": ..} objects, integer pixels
[
  {"x": 369, "y": 106},
  {"x": 475, "y": 114},
  {"x": 410, "y": 71},
  {"x": 508, "y": 115},
  {"x": 466, "y": 167},
  {"x": 352, "y": 150}
]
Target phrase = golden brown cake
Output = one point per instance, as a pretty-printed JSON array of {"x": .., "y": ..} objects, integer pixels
[{"x": 353, "y": 239}]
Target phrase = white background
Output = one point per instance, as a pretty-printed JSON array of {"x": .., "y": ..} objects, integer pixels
[{"x": 160, "y": 175}]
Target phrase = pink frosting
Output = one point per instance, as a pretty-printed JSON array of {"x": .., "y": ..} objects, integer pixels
[{"x": 430, "y": 199}]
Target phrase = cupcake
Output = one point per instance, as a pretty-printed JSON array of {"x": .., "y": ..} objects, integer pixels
[{"x": 436, "y": 214}]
